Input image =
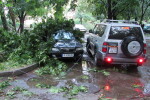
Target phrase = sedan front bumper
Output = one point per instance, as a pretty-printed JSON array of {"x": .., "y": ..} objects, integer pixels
[{"x": 59, "y": 55}]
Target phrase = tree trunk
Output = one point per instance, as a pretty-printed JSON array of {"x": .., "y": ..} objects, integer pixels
[
  {"x": 21, "y": 24},
  {"x": 141, "y": 19},
  {"x": 81, "y": 20},
  {"x": 4, "y": 22},
  {"x": 145, "y": 6},
  {"x": 3, "y": 18},
  {"x": 129, "y": 17},
  {"x": 12, "y": 16},
  {"x": 114, "y": 11},
  {"x": 142, "y": 15},
  {"x": 114, "y": 17},
  {"x": 109, "y": 11},
  {"x": 21, "y": 19},
  {"x": 136, "y": 19}
]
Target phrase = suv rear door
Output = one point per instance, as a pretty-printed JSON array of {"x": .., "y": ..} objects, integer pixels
[{"x": 118, "y": 33}]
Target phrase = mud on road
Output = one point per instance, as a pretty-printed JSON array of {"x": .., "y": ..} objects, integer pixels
[{"x": 116, "y": 83}]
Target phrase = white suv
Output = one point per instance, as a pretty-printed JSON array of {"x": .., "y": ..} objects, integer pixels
[{"x": 117, "y": 42}]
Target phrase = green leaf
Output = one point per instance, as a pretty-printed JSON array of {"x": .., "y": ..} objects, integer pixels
[
  {"x": 62, "y": 73},
  {"x": 136, "y": 86},
  {"x": 4, "y": 84},
  {"x": 27, "y": 0},
  {"x": 11, "y": 94},
  {"x": 85, "y": 77},
  {"x": 54, "y": 90},
  {"x": 27, "y": 93}
]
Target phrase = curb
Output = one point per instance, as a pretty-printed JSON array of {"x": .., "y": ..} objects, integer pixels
[{"x": 20, "y": 71}]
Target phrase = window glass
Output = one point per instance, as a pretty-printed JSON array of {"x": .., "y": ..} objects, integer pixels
[
  {"x": 120, "y": 32},
  {"x": 102, "y": 30},
  {"x": 63, "y": 35},
  {"x": 96, "y": 31}
]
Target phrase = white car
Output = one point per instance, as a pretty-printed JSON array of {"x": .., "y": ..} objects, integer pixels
[{"x": 80, "y": 27}]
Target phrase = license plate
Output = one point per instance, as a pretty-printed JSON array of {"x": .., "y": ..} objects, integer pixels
[
  {"x": 113, "y": 50},
  {"x": 67, "y": 55}
]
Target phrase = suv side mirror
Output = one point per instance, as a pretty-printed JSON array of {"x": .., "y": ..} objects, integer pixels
[{"x": 90, "y": 31}]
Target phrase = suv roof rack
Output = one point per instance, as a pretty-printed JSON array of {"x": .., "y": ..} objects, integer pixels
[{"x": 120, "y": 21}]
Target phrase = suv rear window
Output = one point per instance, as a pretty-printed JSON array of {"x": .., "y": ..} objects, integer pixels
[{"x": 120, "y": 32}]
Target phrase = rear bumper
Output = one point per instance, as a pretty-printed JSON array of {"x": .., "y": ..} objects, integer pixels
[
  {"x": 120, "y": 60},
  {"x": 126, "y": 60}
]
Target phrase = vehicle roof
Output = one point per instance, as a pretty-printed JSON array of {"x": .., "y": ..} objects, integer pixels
[{"x": 120, "y": 24}]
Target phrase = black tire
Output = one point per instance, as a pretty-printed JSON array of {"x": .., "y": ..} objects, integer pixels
[
  {"x": 79, "y": 59},
  {"x": 131, "y": 68},
  {"x": 125, "y": 46},
  {"x": 87, "y": 49},
  {"x": 97, "y": 61}
]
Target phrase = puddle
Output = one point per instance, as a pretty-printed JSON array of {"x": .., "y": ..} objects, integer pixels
[{"x": 32, "y": 82}]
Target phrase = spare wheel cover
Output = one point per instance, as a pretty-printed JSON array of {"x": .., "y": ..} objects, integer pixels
[{"x": 132, "y": 46}]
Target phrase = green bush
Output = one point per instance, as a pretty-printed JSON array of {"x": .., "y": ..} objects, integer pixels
[{"x": 9, "y": 41}]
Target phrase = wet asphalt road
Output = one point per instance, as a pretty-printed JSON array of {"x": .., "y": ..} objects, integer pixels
[{"x": 113, "y": 82}]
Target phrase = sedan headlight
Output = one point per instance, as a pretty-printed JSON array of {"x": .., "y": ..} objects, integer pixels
[
  {"x": 78, "y": 49},
  {"x": 55, "y": 49}
]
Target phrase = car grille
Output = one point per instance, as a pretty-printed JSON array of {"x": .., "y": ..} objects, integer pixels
[{"x": 67, "y": 49}]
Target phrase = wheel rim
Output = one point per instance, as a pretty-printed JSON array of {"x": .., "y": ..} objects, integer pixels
[{"x": 134, "y": 47}]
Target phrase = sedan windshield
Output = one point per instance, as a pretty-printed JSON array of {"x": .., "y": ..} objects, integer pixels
[{"x": 63, "y": 35}]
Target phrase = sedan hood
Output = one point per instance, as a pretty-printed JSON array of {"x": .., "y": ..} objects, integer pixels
[{"x": 67, "y": 43}]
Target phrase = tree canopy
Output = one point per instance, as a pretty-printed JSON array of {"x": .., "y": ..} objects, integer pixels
[{"x": 85, "y": 10}]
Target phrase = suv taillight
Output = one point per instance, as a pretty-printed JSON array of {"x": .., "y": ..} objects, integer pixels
[
  {"x": 108, "y": 60},
  {"x": 140, "y": 61},
  {"x": 104, "y": 48},
  {"x": 144, "y": 51}
]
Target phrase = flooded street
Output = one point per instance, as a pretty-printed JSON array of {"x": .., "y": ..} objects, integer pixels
[{"x": 102, "y": 83}]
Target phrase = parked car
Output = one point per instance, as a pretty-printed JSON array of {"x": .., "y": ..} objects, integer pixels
[
  {"x": 66, "y": 46},
  {"x": 117, "y": 42},
  {"x": 146, "y": 28},
  {"x": 80, "y": 27}
]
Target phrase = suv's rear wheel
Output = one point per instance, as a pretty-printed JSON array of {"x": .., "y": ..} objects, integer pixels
[
  {"x": 88, "y": 48},
  {"x": 132, "y": 46},
  {"x": 96, "y": 61},
  {"x": 132, "y": 67}
]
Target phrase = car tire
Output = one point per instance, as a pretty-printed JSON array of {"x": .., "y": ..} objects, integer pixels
[
  {"x": 97, "y": 61},
  {"x": 131, "y": 68},
  {"x": 132, "y": 46},
  {"x": 79, "y": 59},
  {"x": 87, "y": 49}
]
